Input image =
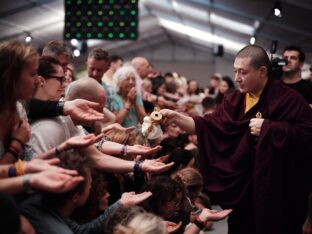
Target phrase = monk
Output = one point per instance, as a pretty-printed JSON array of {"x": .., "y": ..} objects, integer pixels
[{"x": 255, "y": 150}]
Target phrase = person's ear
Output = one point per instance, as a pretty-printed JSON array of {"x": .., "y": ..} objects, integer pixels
[
  {"x": 76, "y": 198},
  {"x": 263, "y": 71},
  {"x": 41, "y": 81}
]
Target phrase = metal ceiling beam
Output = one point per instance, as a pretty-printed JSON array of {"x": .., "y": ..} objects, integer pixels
[
  {"x": 221, "y": 7},
  {"x": 24, "y": 7}
]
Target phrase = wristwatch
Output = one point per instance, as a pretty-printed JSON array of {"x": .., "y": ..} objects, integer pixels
[{"x": 60, "y": 108}]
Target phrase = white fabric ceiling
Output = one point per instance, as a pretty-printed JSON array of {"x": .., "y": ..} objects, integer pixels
[{"x": 198, "y": 24}]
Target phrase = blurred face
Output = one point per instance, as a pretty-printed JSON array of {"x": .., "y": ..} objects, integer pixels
[
  {"x": 68, "y": 78},
  {"x": 144, "y": 69},
  {"x": 103, "y": 203},
  {"x": 117, "y": 64},
  {"x": 161, "y": 89},
  {"x": 173, "y": 130},
  {"x": 214, "y": 83},
  {"x": 223, "y": 87},
  {"x": 53, "y": 85},
  {"x": 96, "y": 68},
  {"x": 127, "y": 84},
  {"x": 64, "y": 60},
  {"x": 193, "y": 86},
  {"x": 169, "y": 208},
  {"x": 82, "y": 198},
  {"x": 294, "y": 65},
  {"x": 248, "y": 78},
  {"x": 28, "y": 81}
]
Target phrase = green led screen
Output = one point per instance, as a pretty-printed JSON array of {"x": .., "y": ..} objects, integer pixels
[{"x": 101, "y": 19}]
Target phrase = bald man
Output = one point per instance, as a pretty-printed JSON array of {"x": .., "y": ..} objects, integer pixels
[
  {"x": 143, "y": 68},
  {"x": 91, "y": 90},
  {"x": 50, "y": 133}
]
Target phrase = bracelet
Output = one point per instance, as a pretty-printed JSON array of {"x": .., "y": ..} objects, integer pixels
[
  {"x": 4, "y": 173},
  {"x": 123, "y": 151},
  {"x": 26, "y": 183},
  {"x": 14, "y": 154},
  {"x": 99, "y": 145},
  {"x": 11, "y": 171},
  {"x": 199, "y": 223},
  {"x": 19, "y": 141},
  {"x": 19, "y": 166},
  {"x": 137, "y": 169},
  {"x": 60, "y": 108},
  {"x": 16, "y": 150},
  {"x": 57, "y": 151}
]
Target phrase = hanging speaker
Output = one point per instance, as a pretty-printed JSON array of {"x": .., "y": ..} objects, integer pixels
[{"x": 217, "y": 50}]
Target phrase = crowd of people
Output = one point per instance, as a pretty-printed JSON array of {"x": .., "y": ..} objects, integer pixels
[{"x": 74, "y": 159}]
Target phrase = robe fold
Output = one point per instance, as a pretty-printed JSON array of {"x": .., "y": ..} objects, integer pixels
[{"x": 265, "y": 179}]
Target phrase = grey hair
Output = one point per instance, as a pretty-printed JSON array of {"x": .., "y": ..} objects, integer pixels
[{"x": 122, "y": 73}]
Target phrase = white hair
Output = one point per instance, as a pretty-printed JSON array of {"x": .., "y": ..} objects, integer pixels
[
  {"x": 145, "y": 223},
  {"x": 122, "y": 73}
]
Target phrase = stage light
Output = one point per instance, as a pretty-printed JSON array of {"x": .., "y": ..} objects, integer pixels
[
  {"x": 278, "y": 10},
  {"x": 28, "y": 38},
  {"x": 74, "y": 42},
  {"x": 101, "y": 19},
  {"x": 76, "y": 53},
  {"x": 252, "y": 40}
]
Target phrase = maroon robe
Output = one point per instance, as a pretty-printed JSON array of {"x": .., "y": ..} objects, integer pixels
[{"x": 265, "y": 180}]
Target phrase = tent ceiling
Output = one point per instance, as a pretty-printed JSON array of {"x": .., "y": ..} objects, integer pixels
[{"x": 198, "y": 24}]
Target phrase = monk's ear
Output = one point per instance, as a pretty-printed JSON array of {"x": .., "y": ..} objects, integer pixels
[{"x": 263, "y": 71}]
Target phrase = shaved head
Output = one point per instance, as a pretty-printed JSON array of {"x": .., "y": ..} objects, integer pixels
[
  {"x": 88, "y": 89},
  {"x": 142, "y": 66}
]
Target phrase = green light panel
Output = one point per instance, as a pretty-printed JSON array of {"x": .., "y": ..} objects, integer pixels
[{"x": 101, "y": 19}]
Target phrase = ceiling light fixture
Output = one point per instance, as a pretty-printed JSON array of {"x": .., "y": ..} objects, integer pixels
[
  {"x": 28, "y": 38},
  {"x": 278, "y": 9},
  {"x": 76, "y": 53},
  {"x": 252, "y": 40}
]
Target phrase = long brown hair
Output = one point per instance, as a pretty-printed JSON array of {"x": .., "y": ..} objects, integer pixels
[{"x": 14, "y": 56}]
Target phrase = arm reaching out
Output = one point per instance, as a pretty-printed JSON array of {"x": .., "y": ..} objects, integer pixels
[{"x": 184, "y": 122}]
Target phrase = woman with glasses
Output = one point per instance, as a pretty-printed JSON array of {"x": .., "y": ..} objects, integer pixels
[{"x": 51, "y": 79}]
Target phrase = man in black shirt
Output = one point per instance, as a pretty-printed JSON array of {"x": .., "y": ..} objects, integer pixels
[{"x": 292, "y": 72}]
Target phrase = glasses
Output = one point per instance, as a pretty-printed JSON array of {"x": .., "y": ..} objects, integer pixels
[{"x": 61, "y": 79}]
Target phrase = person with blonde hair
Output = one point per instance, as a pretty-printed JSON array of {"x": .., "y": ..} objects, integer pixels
[
  {"x": 144, "y": 223},
  {"x": 18, "y": 79}
]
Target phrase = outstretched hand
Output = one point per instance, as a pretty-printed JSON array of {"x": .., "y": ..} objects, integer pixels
[
  {"x": 172, "y": 227},
  {"x": 53, "y": 181},
  {"x": 168, "y": 115},
  {"x": 130, "y": 199},
  {"x": 155, "y": 166},
  {"x": 116, "y": 126},
  {"x": 39, "y": 165},
  {"x": 82, "y": 141},
  {"x": 82, "y": 110},
  {"x": 213, "y": 215},
  {"x": 142, "y": 150}
]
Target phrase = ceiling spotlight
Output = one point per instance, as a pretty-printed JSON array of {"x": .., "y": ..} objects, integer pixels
[
  {"x": 74, "y": 42},
  {"x": 252, "y": 40},
  {"x": 76, "y": 53},
  {"x": 278, "y": 10},
  {"x": 28, "y": 38}
]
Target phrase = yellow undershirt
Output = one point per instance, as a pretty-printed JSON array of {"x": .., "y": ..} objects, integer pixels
[{"x": 251, "y": 101}]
